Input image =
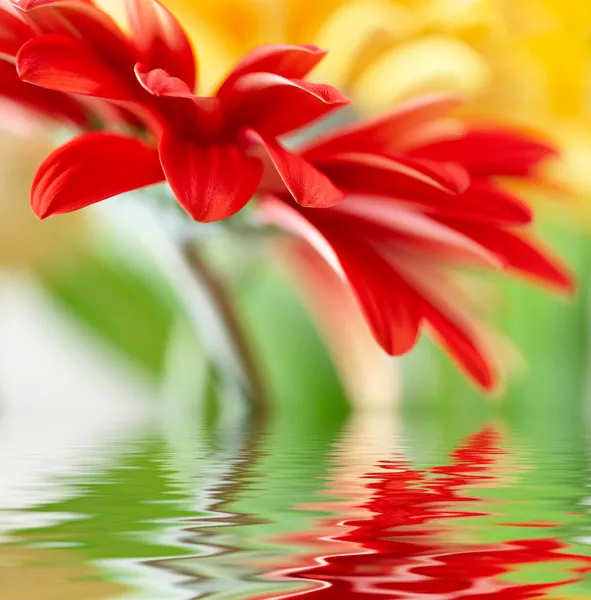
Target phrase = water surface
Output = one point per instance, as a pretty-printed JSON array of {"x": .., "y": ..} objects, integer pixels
[{"x": 369, "y": 507}]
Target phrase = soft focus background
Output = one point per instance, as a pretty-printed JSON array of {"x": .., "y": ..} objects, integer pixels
[
  {"x": 108, "y": 271},
  {"x": 120, "y": 446}
]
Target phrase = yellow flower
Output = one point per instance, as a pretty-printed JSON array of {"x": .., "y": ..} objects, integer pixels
[{"x": 521, "y": 60}]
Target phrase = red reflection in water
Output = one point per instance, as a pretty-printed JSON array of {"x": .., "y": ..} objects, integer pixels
[{"x": 405, "y": 546}]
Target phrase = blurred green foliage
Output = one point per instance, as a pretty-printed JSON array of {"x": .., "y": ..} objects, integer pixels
[{"x": 126, "y": 309}]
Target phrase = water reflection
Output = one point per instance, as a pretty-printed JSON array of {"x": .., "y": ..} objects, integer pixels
[
  {"x": 330, "y": 510},
  {"x": 418, "y": 539}
]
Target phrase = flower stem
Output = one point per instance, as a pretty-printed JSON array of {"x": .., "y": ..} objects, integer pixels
[{"x": 230, "y": 321}]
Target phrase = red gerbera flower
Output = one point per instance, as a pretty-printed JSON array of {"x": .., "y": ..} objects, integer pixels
[
  {"x": 199, "y": 144},
  {"x": 397, "y": 245},
  {"x": 406, "y": 198}
]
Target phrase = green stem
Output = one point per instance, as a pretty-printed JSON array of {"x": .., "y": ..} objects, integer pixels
[{"x": 229, "y": 320}]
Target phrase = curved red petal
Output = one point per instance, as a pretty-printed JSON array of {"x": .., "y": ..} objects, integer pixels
[
  {"x": 47, "y": 103},
  {"x": 427, "y": 186},
  {"x": 398, "y": 226},
  {"x": 273, "y": 105},
  {"x": 66, "y": 64},
  {"x": 160, "y": 83},
  {"x": 183, "y": 112},
  {"x": 27, "y": 5},
  {"x": 393, "y": 311},
  {"x": 379, "y": 175},
  {"x": 464, "y": 345},
  {"x": 161, "y": 41},
  {"x": 519, "y": 252},
  {"x": 211, "y": 183},
  {"x": 486, "y": 202},
  {"x": 13, "y": 33},
  {"x": 449, "y": 317},
  {"x": 82, "y": 20},
  {"x": 451, "y": 176},
  {"x": 387, "y": 135},
  {"x": 91, "y": 168},
  {"x": 488, "y": 151},
  {"x": 286, "y": 60},
  {"x": 308, "y": 186}
]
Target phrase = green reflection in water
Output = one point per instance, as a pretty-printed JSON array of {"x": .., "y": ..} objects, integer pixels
[{"x": 192, "y": 513}]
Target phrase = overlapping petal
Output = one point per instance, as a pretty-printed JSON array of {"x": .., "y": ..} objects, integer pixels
[
  {"x": 485, "y": 202},
  {"x": 285, "y": 60},
  {"x": 389, "y": 134},
  {"x": 67, "y": 64},
  {"x": 160, "y": 83},
  {"x": 46, "y": 103},
  {"x": 520, "y": 252},
  {"x": 210, "y": 182},
  {"x": 13, "y": 33},
  {"x": 91, "y": 168},
  {"x": 308, "y": 186},
  {"x": 379, "y": 175},
  {"x": 464, "y": 345},
  {"x": 384, "y": 222},
  {"x": 448, "y": 319},
  {"x": 161, "y": 41},
  {"x": 391, "y": 308},
  {"x": 450, "y": 175},
  {"x": 81, "y": 19},
  {"x": 273, "y": 105},
  {"x": 488, "y": 152}
]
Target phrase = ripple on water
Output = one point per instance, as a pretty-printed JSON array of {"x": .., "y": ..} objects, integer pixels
[{"x": 262, "y": 512}]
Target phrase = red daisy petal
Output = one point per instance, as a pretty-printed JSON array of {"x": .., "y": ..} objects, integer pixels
[
  {"x": 387, "y": 135},
  {"x": 91, "y": 168},
  {"x": 451, "y": 324},
  {"x": 490, "y": 151},
  {"x": 519, "y": 252},
  {"x": 379, "y": 175},
  {"x": 308, "y": 186},
  {"x": 27, "y": 5},
  {"x": 392, "y": 309},
  {"x": 66, "y": 64},
  {"x": 291, "y": 62},
  {"x": 273, "y": 105},
  {"x": 427, "y": 186},
  {"x": 13, "y": 33},
  {"x": 161, "y": 40},
  {"x": 464, "y": 346},
  {"x": 83, "y": 20},
  {"x": 180, "y": 110},
  {"x": 384, "y": 221},
  {"x": 486, "y": 202},
  {"x": 48, "y": 103},
  {"x": 451, "y": 176},
  {"x": 160, "y": 83},
  {"x": 211, "y": 182}
]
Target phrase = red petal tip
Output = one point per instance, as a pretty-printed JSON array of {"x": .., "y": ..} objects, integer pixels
[
  {"x": 315, "y": 49},
  {"x": 160, "y": 83},
  {"x": 568, "y": 283},
  {"x": 40, "y": 212}
]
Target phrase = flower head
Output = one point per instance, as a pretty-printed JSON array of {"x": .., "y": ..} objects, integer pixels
[
  {"x": 400, "y": 236},
  {"x": 205, "y": 147},
  {"x": 396, "y": 206}
]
